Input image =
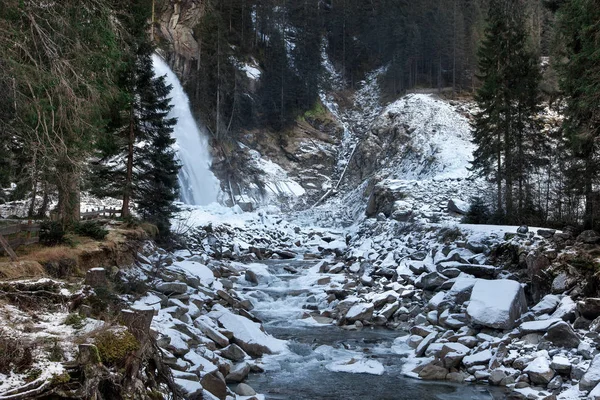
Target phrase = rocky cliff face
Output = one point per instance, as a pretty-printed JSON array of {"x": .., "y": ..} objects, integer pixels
[{"x": 176, "y": 20}]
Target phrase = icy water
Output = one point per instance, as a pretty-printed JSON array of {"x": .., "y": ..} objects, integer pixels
[{"x": 303, "y": 374}]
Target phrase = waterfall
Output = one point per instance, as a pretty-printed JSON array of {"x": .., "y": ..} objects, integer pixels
[{"x": 198, "y": 185}]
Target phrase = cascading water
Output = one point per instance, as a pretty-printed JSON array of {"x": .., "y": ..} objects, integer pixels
[{"x": 198, "y": 184}]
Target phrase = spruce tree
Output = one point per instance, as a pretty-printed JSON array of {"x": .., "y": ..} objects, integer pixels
[
  {"x": 580, "y": 82},
  {"x": 506, "y": 131},
  {"x": 136, "y": 161}
]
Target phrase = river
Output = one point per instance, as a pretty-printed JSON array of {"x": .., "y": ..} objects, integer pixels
[{"x": 306, "y": 372}]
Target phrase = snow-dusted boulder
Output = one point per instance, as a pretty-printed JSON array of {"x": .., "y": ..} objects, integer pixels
[
  {"x": 247, "y": 334},
  {"x": 561, "y": 364},
  {"x": 567, "y": 310},
  {"x": 592, "y": 376},
  {"x": 360, "y": 312},
  {"x": 539, "y": 371},
  {"x": 561, "y": 334},
  {"x": 496, "y": 304},
  {"x": 458, "y": 206},
  {"x": 547, "y": 305},
  {"x": 480, "y": 358}
]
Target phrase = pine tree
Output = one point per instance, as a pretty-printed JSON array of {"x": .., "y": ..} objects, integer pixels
[
  {"x": 580, "y": 82},
  {"x": 136, "y": 161},
  {"x": 505, "y": 129}
]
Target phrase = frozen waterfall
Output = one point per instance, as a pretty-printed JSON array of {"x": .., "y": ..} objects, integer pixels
[{"x": 198, "y": 184}]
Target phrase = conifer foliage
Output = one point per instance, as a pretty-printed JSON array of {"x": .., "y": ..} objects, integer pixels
[
  {"x": 579, "y": 29},
  {"x": 136, "y": 160},
  {"x": 506, "y": 130}
]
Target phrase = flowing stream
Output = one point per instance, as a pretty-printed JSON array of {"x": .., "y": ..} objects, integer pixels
[
  {"x": 198, "y": 184},
  {"x": 305, "y": 372}
]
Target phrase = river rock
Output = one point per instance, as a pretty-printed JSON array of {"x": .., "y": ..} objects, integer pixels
[
  {"x": 478, "y": 271},
  {"x": 211, "y": 333},
  {"x": 589, "y": 308},
  {"x": 421, "y": 330},
  {"x": 561, "y": 365},
  {"x": 547, "y": 305},
  {"x": 425, "y": 344},
  {"x": 243, "y": 389},
  {"x": 433, "y": 372},
  {"x": 562, "y": 282},
  {"x": 248, "y": 334},
  {"x": 215, "y": 384},
  {"x": 479, "y": 358},
  {"x": 233, "y": 352},
  {"x": 595, "y": 393},
  {"x": 496, "y": 377},
  {"x": 172, "y": 287},
  {"x": 452, "y": 354},
  {"x": 592, "y": 376},
  {"x": 561, "y": 334},
  {"x": 238, "y": 372},
  {"x": 430, "y": 281},
  {"x": 539, "y": 371},
  {"x": 360, "y": 312},
  {"x": 496, "y": 304},
  {"x": 567, "y": 310}
]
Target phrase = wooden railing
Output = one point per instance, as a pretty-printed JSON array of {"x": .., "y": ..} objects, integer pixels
[
  {"x": 92, "y": 214},
  {"x": 21, "y": 234},
  {"x": 13, "y": 236}
]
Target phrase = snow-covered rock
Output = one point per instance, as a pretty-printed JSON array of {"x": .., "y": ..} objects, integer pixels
[
  {"x": 591, "y": 378},
  {"x": 539, "y": 371},
  {"x": 360, "y": 312},
  {"x": 247, "y": 334},
  {"x": 496, "y": 304}
]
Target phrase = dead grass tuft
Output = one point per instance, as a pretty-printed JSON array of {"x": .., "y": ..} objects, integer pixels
[{"x": 21, "y": 269}]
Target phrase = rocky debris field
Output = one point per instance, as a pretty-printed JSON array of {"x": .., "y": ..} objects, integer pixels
[{"x": 507, "y": 306}]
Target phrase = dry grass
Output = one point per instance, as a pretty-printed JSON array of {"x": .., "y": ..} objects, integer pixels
[
  {"x": 21, "y": 269},
  {"x": 45, "y": 255}
]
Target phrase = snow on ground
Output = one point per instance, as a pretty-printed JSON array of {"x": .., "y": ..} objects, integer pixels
[
  {"x": 252, "y": 71},
  {"x": 439, "y": 137},
  {"x": 357, "y": 366}
]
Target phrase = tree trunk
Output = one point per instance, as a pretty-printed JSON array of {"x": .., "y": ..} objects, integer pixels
[
  {"x": 588, "y": 217},
  {"x": 129, "y": 174},
  {"x": 68, "y": 193}
]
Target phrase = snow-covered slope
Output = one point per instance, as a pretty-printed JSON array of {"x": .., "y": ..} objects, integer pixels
[{"x": 431, "y": 136}]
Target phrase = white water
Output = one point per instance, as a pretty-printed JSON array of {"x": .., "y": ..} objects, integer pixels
[{"x": 198, "y": 184}]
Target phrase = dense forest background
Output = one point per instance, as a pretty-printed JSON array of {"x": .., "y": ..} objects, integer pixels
[
  {"x": 428, "y": 44},
  {"x": 79, "y": 96}
]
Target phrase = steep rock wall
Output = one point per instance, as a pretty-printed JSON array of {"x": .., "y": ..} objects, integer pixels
[{"x": 174, "y": 30}]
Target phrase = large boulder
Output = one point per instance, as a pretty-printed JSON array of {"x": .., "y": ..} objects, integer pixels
[
  {"x": 172, "y": 287},
  {"x": 458, "y": 206},
  {"x": 561, "y": 334},
  {"x": 496, "y": 304},
  {"x": 247, "y": 334},
  {"x": 589, "y": 308},
  {"x": 433, "y": 372},
  {"x": 591, "y": 378},
  {"x": 215, "y": 384},
  {"x": 547, "y": 305},
  {"x": 452, "y": 354},
  {"x": 360, "y": 312},
  {"x": 430, "y": 281},
  {"x": 539, "y": 371}
]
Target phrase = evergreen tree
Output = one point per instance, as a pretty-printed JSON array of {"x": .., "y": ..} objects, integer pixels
[
  {"x": 580, "y": 82},
  {"x": 505, "y": 129},
  {"x": 136, "y": 161}
]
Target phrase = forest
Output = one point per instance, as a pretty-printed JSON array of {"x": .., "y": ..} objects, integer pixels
[{"x": 82, "y": 111}]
